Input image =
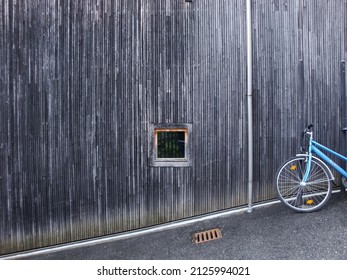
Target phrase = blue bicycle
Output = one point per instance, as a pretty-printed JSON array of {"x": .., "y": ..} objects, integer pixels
[{"x": 304, "y": 183}]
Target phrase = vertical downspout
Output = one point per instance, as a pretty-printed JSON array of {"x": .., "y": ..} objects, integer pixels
[{"x": 249, "y": 104}]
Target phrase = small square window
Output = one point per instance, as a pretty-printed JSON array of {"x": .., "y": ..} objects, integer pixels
[{"x": 170, "y": 145}]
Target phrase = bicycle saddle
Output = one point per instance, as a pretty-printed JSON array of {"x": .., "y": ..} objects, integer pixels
[{"x": 344, "y": 129}]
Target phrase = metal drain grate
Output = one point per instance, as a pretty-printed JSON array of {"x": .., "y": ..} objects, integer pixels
[{"x": 208, "y": 235}]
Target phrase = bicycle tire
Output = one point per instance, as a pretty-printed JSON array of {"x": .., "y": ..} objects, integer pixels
[
  {"x": 344, "y": 182},
  {"x": 303, "y": 197}
]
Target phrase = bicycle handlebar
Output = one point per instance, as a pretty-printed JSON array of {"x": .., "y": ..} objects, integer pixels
[
  {"x": 311, "y": 125},
  {"x": 303, "y": 144},
  {"x": 307, "y": 129}
]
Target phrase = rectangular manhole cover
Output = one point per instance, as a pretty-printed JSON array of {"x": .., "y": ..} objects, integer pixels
[{"x": 208, "y": 235}]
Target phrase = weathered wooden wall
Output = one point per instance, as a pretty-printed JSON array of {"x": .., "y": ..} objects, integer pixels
[
  {"x": 299, "y": 78},
  {"x": 82, "y": 83}
]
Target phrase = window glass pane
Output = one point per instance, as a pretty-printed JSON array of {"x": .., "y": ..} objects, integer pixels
[{"x": 171, "y": 144}]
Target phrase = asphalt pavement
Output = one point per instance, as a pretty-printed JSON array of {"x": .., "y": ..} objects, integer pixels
[{"x": 271, "y": 232}]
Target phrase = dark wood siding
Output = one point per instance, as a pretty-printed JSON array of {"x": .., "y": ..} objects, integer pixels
[
  {"x": 299, "y": 78},
  {"x": 83, "y": 83}
]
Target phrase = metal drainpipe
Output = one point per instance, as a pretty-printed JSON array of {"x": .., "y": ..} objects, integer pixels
[{"x": 249, "y": 104}]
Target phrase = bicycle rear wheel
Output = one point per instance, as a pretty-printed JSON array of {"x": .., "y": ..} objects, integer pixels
[{"x": 303, "y": 196}]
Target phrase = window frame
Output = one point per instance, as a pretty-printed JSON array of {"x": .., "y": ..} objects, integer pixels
[{"x": 170, "y": 162}]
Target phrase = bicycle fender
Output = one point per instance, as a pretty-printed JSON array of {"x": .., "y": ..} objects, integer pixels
[{"x": 321, "y": 162}]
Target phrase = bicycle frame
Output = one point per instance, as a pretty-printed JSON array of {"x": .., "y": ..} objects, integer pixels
[{"x": 315, "y": 147}]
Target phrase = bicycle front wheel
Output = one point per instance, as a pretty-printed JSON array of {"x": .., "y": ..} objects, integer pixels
[{"x": 303, "y": 196}]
